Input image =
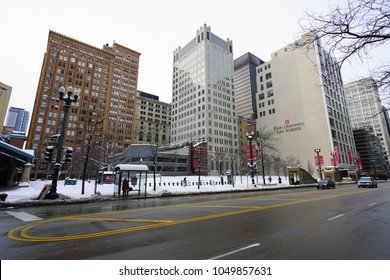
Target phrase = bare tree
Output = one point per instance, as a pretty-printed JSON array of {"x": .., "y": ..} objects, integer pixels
[
  {"x": 310, "y": 167},
  {"x": 88, "y": 145},
  {"x": 155, "y": 136},
  {"x": 353, "y": 30},
  {"x": 291, "y": 161},
  {"x": 277, "y": 162},
  {"x": 266, "y": 147},
  {"x": 92, "y": 131}
]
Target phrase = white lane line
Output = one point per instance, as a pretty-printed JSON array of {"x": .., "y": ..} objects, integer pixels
[
  {"x": 335, "y": 217},
  {"x": 25, "y": 217},
  {"x": 235, "y": 251},
  {"x": 372, "y": 204}
]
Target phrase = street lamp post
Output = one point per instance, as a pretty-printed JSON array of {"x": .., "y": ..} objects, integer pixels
[
  {"x": 373, "y": 163},
  {"x": 251, "y": 165},
  {"x": 333, "y": 154},
  {"x": 67, "y": 98},
  {"x": 319, "y": 162},
  {"x": 198, "y": 168}
]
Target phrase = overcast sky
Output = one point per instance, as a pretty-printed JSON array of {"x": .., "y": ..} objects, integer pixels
[{"x": 155, "y": 28}]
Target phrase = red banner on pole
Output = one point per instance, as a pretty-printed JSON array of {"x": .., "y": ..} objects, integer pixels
[
  {"x": 321, "y": 160},
  {"x": 359, "y": 161},
  {"x": 248, "y": 152},
  {"x": 350, "y": 156},
  {"x": 336, "y": 149}
]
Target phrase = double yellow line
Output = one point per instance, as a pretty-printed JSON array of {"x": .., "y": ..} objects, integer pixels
[{"x": 21, "y": 233}]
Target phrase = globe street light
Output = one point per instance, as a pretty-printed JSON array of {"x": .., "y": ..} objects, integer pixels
[
  {"x": 250, "y": 135},
  {"x": 67, "y": 98}
]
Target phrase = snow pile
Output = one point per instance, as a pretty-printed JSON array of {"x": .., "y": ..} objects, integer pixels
[{"x": 165, "y": 186}]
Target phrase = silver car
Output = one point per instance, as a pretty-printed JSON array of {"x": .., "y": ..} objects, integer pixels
[{"x": 367, "y": 182}]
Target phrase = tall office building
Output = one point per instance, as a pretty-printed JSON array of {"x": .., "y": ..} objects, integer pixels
[
  {"x": 107, "y": 80},
  {"x": 18, "y": 119},
  {"x": 5, "y": 94},
  {"x": 203, "y": 101},
  {"x": 301, "y": 99},
  {"x": 366, "y": 111},
  {"x": 371, "y": 158},
  {"x": 152, "y": 120},
  {"x": 245, "y": 85}
]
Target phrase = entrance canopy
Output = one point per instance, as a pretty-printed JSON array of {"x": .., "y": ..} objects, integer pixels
[
  {"x": 10, "y": 152},
  {"x": 131, "y": 167},
  {"x": 12, "y": 161}
]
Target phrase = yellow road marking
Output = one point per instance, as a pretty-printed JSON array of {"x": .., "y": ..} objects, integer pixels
[
  {"x": 117, "y": 220},
  {"x": 24, "y": 236}
]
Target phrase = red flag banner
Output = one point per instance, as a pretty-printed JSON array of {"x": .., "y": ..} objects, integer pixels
[
  {"x": 336, "y": 149},
  {"x": 248, "y": 152},
  {"x": 321, "y": 160},
  {"x": 350, "y": 156}
]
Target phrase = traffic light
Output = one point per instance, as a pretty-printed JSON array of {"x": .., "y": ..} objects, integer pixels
[
  {"x": 54, "y": 138},
  {"x": 68, "y": 154},
  {"x": 49, "y": 153}
]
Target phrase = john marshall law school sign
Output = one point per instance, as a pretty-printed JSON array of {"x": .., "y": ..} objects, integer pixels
[{"x": 288, "y": 127}]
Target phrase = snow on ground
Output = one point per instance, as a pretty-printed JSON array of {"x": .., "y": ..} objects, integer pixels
[{"x": 164, "y": 186}]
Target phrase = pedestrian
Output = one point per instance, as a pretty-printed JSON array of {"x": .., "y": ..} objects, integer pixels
[
  {"x": 270, "y": 179},
  {"x": 280, "y": 180},
  {"x": 125, "y": 187}
]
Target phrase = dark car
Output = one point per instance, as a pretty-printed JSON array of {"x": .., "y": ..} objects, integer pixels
[
  {"x": 367, "y": 182},
  {"x": 326, "y": 184}
]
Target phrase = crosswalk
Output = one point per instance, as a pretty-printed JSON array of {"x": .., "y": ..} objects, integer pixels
[{"x": 24, "y": 216}]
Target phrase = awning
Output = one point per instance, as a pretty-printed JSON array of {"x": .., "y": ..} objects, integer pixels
[
  {"x": 131, "y": 167},
  {"x": 12, "y": 152}
]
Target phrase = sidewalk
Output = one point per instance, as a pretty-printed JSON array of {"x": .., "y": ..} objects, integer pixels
[{"x": 165, "y": 187}]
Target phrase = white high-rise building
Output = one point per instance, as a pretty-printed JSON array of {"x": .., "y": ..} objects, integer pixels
[
  {"x": 366, "y": 111},
  {"x": 203, "y": 102},
  {"x": 301, "y": 99}
]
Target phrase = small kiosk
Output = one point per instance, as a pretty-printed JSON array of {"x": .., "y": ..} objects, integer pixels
[
  {"x": 134, "y": 174},
  {"x": 299, "y": 176}
]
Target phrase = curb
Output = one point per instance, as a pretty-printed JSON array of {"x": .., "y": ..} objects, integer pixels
[{"x": 64, "y": 200}]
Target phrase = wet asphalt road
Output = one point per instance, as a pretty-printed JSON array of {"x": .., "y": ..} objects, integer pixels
[{"x": 297, "y": 224}]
